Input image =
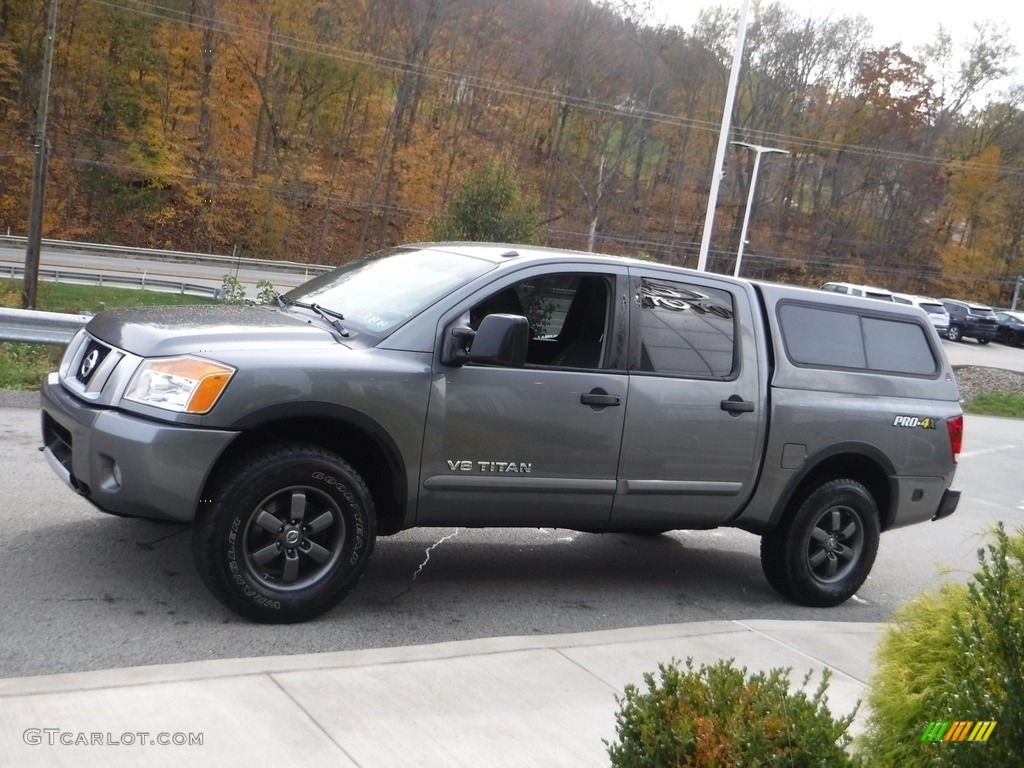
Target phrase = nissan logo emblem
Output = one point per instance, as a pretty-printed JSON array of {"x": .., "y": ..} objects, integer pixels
[{"x": 89, "y": 363}]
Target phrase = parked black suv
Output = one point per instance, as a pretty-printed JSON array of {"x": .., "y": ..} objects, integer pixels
[{"x": 968, "y": 319}]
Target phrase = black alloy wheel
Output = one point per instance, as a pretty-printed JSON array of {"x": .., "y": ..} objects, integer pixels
[
  {"x": 286, "y": 534},
  {"x": 823, "y": 553}
]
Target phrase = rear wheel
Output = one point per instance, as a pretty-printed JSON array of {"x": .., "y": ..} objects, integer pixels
[
  {"x": 955, "y": 333},
  {"x": 823, "y": 553},
  {"x": 286, "y": 533}
]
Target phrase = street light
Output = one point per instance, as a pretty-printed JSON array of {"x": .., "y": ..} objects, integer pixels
[
  {"x": 759, "y": 150},
  {"x": 723, "y": 134}
]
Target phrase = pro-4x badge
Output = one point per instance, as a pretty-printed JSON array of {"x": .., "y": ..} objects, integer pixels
[{"x": 928, "y": 422}]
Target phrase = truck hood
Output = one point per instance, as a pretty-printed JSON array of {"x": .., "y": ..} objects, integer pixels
[{"x": 165, "y": 331}]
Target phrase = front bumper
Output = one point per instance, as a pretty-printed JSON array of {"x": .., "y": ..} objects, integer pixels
[{"x": 123, "y": 464}]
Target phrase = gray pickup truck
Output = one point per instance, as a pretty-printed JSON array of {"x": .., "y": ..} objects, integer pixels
[{"x": 479, "y": 385}]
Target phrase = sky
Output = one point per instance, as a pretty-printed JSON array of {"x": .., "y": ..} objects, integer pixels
[{"x": 895, "y": 21}]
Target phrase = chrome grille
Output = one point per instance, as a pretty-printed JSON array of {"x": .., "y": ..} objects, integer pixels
[{"x": 95, "y": 353}]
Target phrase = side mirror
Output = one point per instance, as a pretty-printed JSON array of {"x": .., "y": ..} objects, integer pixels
[{"x": 500, "y": 340}]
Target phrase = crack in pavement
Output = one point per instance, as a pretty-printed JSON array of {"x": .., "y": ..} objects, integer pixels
[
  {"x": 431, "y": 548},
  {"x": 422, "y": 565}
]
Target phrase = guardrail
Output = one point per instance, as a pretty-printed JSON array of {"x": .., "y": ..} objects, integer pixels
[
  {"x": 34, "y": 327},
  {"x": 14, "y": 241},
  {"x": 126, "y": 281}
]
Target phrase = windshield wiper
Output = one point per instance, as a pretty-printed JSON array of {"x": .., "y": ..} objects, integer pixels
[{"x": 332, "y": 317}]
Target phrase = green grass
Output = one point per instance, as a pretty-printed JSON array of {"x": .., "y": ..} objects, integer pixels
[
  {"x": 74, "y": 299},
  {"x": 24, "y": 366},
  {"x": 997, "y": 404}
]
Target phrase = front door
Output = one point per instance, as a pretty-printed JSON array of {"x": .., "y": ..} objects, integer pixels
[{"x": 537, "y": 445}]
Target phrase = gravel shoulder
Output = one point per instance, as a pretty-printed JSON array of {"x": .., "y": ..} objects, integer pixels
[{"x": 975, "y": 380}]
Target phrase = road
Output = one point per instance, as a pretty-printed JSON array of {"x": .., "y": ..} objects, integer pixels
[
  {"x": 211, "y": 276},
  {"x": 83, "y": 590}
]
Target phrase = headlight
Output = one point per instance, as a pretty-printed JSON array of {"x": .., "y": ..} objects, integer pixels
[{"x": 184, "y": 384}]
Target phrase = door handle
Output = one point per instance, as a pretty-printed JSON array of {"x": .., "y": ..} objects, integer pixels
[
  {"x": 736, "y": 405},
  {"x": 598, "y": 398}
]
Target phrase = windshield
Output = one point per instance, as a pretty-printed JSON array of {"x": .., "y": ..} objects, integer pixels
[{"x": 379, "y": 293}]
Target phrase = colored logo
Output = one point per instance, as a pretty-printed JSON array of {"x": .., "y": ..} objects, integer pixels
[
  {"x": 959, "y": 730},
  {"x": 915, "y": 421}
]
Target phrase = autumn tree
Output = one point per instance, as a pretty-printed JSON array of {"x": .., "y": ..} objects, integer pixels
[{"x": 316, "y": 130}]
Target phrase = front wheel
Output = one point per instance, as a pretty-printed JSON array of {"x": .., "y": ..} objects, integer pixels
[
  {"x": 286, "y": 533},
  {"x": 823, "y": 553}
]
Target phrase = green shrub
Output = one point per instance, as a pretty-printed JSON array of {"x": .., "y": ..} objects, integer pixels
[
  {"x": 716, "y": 716},
  {"x": 234, "y": 291},
  {"x": 490, "y": 206},
  {"x": 954, "y": 654}
]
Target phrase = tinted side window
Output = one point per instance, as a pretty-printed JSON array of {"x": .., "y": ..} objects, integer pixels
[
  {"x": 815, "y": 336},
  {"x": 686, "y": 330},
  {"x": 822, "y": 337},
  {"x": 896, "y": 346},
  {"x": 568, "y": 315}
]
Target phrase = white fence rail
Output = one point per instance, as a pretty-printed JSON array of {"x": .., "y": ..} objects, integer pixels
[
  {"x": 34, "y": 327},
  {"x": 123, "y": 281},
  {"x": 14, "y": 241}
]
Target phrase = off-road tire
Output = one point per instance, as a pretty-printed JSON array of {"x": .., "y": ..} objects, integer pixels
[
  {"x": 821, "y": 555},
  {"x": 286, "y": 533}
]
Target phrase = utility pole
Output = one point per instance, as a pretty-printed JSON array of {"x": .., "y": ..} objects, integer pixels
[
  {"x": 41, "y": 145},
  {"x": 759, "y": 150},
  {"x": 723, "y": 138}
]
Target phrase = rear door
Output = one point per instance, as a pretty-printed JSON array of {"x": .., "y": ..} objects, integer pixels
[{"x": 695, "y": 421}]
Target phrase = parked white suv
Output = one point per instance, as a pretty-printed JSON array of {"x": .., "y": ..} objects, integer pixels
[
  {"x": 853, "y": 289},
  {"x": 932, "y": 307}
]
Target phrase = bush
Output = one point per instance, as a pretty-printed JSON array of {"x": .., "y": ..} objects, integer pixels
[
  {"x": 491, "y": 206},
  {"x": 954, "y": 654},
  {"x": 715, "y": 716}
]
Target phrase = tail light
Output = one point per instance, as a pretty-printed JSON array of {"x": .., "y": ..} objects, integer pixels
[{"x": 955, "y": 426}]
